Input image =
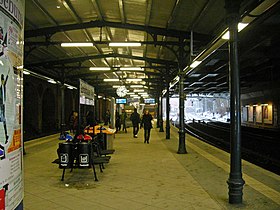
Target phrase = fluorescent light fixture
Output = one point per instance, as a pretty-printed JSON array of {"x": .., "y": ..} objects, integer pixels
[
  {"x": 141, "y": 104},
  {"x": 207, "y": 75},
  {"x": 70, "y": 87},
  {"x": 99, "y": 96},
  {"x": 116, "y": 86},
  {"x": 125, "y": 44},
  {"x": 100, "y": 68},
  {"x": 130, "y": 93},
  {"x": 26, "y": 72},
  {"x": 264, "y": 104},
  {"x": 195, "y": 75},
  {"x": 131, "y": 69},
  {"x": 136, "y": 97},
  {"x": 195, "y": 64},
  {"x": 196, "y": 83},
  {"x": 240, "y": 27},
  {"x": 19, "y": 67},
  {"x": 134, "y": 80},
  {"x": 111, "y": 80},
  {"x": 255, "y": 105},
  {"x": 52, "y": 81},
  {"x": 82, "y": 44},
  {"x": 142, "y": 93},
  {"x": 138, "y": 90},
  {"x": 247, "y": 106},
  {"x": 136, "y": 86}
]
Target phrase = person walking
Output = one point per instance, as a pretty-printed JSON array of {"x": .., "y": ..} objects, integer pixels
[
  {"x": 118, "y": 122},
  {"x": 135, "y": 118},
  {"x": 123, "y": 120},
  {"x": 107, "y": 117},
  {"x": 146, "y": 122}
]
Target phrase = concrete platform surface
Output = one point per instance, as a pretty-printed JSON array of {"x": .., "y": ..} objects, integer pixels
[{"x": 144, "y": 176}]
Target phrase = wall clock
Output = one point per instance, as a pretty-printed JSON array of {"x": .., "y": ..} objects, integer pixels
[{"x": 121, "y": 91}]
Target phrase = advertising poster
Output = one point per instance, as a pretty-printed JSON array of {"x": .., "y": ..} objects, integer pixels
[
  {"x": 258, "y": 114},
  {"x": 11, "y": 61},
  {"x": 244, "y": 114},
  {"x": 267, "y": 114},
  {"x": 250, "y": 114}
]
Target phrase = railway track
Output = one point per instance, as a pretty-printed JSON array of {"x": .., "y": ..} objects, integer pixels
[{"x": 258, "y": 146}]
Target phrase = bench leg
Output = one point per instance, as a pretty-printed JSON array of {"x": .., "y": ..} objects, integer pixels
[
  {"x": 94, "y": 172},
  {"x": 63, "y": 172},
  {"x": 100, "y": 167}
]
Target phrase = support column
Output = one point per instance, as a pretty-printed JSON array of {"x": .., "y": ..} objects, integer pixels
[
  {"x": 167, "y": 136},
  {"x": 97, "y": 109},
  {"x": 235, "y": 181},
  {"x": 62, "y": 126},
  {"x": 158, "y": 117},
  {"x": 182, "y": 143},
  {"x": 161, "y": 118}
]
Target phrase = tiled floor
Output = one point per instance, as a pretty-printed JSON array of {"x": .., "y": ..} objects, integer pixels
[{"x": 144, "y": 176}]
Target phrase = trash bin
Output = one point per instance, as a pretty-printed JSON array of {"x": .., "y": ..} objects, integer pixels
[
  {"x": 84, "y": 154},
  {"x": 66, "y": 155}
]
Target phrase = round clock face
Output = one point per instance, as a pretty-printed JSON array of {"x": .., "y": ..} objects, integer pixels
[{"x": 121, "y": 91}]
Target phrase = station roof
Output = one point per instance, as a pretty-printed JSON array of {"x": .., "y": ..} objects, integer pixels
[{"x": 160, "y": 26}]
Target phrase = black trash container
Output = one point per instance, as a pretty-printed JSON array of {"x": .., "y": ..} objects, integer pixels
[
  {"x": 66, "y": 155},
  {"x": 84, "y": 154}
]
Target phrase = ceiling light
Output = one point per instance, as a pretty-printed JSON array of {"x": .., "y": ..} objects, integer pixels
[
  {"x": 131, "y": 69},
  {"x": 116, "y": 86},
  {"x": 194, "y": 75},
  {"x": 195, "y": 64},
  {"x": 196, "y": 83},
  {"x": 111, "y": 80},
  {"x": 100, "y": 68},
  {"x": 82, "y": 44},
  {"x": 136, "y": 86},
  {"x": 138, "y": 90},
  {"x": 125, "y": 44},
  {"x": 134, "y": 80},
  {"x": 58, "y": 7},
  {"x": 52, "y": 81},
  {"x": 142, "y": 93},
  {"x": 240, "y": 26},
  {"x": 136, "y": 97},
  {"x": 133, "y": 95},
  {"x": 69, "y": 87},
  {"x": 26, "y": 72}
]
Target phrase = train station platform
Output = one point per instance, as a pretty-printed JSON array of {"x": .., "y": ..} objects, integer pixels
[{"x": 144, "y": 176}]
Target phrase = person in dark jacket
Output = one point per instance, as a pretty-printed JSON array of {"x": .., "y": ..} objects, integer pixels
[
  {"x": 135, "y": 119},
  {"x": 146, "y": 122},
  {"x": 118, "y": 122},
  {"x": 90, "y": 121}
]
